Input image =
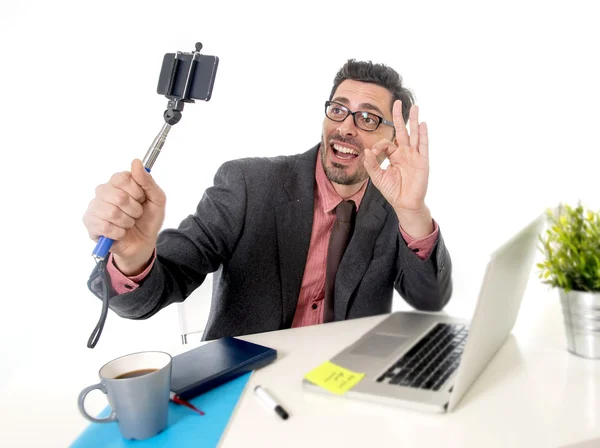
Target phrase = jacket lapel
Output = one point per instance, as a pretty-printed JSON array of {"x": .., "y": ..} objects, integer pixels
[
  {"x": 369, "y": 221},
  {"x": 294, "y": 226}
]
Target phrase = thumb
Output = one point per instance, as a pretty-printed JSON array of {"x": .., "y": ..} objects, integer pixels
[
  {"x": 372, "y": 166},
  {"x": 143, "y": 178}
]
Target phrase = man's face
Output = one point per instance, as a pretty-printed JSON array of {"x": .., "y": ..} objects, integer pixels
[{"x": 343, "y": 143}]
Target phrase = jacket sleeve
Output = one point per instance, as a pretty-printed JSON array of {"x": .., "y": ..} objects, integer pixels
[
  {"x": 425, "y": 284},
  {"x": 184, "y": 256}
]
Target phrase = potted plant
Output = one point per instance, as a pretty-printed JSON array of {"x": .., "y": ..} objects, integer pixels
[{"x": 571, "y": 246}]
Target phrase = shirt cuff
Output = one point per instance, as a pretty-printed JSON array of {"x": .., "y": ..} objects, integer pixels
[
  {"x": 121, "y": 283},
  {"x": 423, "y": 246}
]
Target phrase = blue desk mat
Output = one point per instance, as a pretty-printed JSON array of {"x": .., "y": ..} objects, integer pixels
[{"x": 186, "y": 428}]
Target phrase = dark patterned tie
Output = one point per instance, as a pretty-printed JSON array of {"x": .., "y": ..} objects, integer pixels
[{"x": 340, "y": 236}]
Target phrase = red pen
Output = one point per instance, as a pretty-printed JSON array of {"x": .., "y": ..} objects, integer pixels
[{"x": 177, "y": 400}]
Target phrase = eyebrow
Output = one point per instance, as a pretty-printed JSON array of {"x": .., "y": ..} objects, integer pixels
[{"x": 361, "y": 106}]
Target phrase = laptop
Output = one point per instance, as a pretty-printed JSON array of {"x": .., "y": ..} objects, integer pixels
[{"x": 426, "y": 361}]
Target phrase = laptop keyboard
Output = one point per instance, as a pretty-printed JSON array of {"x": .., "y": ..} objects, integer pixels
[{"x": 432, "y": 360}]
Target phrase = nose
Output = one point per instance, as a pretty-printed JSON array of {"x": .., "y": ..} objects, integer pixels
[{"x": 347, "y": 127}]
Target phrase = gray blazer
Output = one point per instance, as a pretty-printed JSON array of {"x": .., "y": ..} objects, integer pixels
[{"x": 253, "y": 228}]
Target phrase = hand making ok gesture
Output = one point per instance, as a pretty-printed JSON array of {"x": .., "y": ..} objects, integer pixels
[{"x": 404, "y": 182}]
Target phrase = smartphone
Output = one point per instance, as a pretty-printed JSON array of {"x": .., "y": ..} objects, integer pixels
[{"x": 202, "y": 79}]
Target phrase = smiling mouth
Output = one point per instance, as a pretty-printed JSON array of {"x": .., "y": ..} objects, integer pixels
[{"x": 343, "y": 152}]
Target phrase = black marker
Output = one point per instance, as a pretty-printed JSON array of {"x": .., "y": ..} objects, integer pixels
[{"x": 268, "y": 400}]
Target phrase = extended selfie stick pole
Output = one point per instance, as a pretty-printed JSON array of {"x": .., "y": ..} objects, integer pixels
[{"x": 172, "y": 116}]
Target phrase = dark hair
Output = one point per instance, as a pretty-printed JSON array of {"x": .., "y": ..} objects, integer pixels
[{"x": 380, "y": 74}]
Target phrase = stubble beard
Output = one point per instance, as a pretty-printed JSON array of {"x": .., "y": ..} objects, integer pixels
[{"x": 337, "y": 172}]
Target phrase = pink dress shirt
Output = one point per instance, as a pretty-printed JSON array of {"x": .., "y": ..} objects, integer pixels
[{"x": 309, "y": 310}]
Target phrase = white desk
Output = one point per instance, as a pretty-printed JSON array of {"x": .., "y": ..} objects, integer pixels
[{"x": 533, "y": 394}]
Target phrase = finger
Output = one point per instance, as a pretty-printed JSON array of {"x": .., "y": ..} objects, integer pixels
[
  {"x": 395, "y": 154},
  {"x": 384, "y": 146},
  {"x": 372, "y": 166},
  {"x": 423, "y": 140},
  {"x": 143, "y": 178},
  {"x": 97, "y": 227},
  {"x": 125, "y": 181},
  {"x": 401, "y": 133},
  {"x": 111, "y": 213},
  {"x": 111, "y": 194},
  {"x": 413, "y": 121}
]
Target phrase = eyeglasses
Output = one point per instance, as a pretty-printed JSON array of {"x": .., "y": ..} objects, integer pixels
[{"x": 366, "y": 121}]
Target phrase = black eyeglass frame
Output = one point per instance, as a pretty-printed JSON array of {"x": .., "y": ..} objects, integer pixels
[{"x": 349, "y": 112}]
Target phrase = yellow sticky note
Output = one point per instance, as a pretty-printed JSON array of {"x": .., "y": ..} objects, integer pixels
[{"x": 334, "y": 378}]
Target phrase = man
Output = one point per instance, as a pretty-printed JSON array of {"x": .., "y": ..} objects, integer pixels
[{"x": 264, "y": 227}]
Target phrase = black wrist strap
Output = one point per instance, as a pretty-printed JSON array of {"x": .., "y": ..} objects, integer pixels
[{"x": 99, "y": 274}]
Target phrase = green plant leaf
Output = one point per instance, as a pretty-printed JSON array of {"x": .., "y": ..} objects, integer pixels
[{"x": 571, "y": 248}]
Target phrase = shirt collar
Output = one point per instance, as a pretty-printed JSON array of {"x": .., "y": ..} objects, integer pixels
[{"x": 329, "y": 197}]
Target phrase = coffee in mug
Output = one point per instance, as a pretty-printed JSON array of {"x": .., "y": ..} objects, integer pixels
[{"x": 135, "y": 373}]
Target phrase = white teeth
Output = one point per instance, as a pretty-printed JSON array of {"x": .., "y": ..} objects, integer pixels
[{"x": 344, "y": 150}]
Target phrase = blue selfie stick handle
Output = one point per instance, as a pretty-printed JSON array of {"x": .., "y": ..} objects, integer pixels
[
  {"x": 102, "y": 248},
  {"x": 104, "y": 244}
]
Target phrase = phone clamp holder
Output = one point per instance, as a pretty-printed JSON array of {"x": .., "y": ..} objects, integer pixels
[
  {"x": 175, "y": 105},
  {"x": 172, "y": 114}
]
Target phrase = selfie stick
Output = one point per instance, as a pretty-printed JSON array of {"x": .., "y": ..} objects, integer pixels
[{"x": 172, "y": 116}]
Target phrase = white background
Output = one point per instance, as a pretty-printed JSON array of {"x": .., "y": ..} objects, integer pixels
[{"x": 509, "y": 90}]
